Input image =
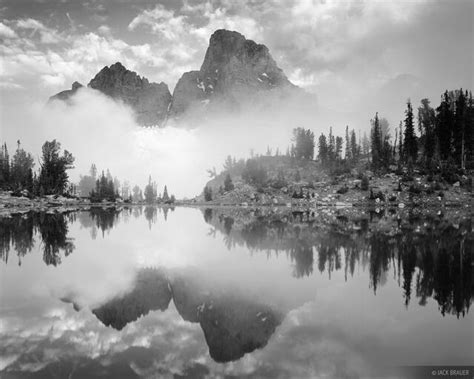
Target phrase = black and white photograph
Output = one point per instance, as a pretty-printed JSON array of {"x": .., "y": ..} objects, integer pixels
[{"x": 217, "y": 189}]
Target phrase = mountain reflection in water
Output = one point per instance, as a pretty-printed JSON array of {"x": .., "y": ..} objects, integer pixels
[
  {"x": 400, "y": 257},
  {"x": 232, "y": 324}
]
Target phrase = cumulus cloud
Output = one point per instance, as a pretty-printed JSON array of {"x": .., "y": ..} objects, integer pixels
[
  {"x": 47, "y": 35},
  {"x": 6, "y": 31}
]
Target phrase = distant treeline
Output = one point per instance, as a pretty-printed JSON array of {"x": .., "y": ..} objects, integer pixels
[
  {"x": 105, "y": 187},
  {"x": 445, "y": 138},
  {"x": 18, "y": 174}
]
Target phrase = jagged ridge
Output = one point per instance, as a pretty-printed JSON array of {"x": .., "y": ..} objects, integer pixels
[{"x": 233, "y": 71}]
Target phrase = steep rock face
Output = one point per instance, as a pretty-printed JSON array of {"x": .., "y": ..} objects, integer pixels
[
  {"x": 188, "y": 93},
  {"x": 234, "y": 69},
  {"x": 67, "y": 94},
  {"x": 150, "y": 101}
]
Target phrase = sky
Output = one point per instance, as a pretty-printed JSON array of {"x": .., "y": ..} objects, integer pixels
[{"x": 357, "y": 57}]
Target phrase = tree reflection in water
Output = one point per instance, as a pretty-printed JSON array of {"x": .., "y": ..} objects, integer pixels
[
  {"x": 18, "y": 232},
  {"x": 427, "y": 254}
]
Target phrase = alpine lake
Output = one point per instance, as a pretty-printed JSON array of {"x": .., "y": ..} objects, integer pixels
[{"x": 191, "y": 292}]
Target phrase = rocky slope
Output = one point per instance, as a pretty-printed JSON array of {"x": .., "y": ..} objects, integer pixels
[
  {"x": 236, "y": 72},
  {"x": 281, "y": 180}
]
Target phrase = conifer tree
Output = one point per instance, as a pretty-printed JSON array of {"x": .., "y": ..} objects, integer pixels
[
  {"x": 426, "y": 126},
  {"x": 165, "y": 196},
  {"x": 376, "y": 142},
  {"x": 4, "y": 167},
  {"x": 348, "y": 155},
  {"x": 338, "y": 152},
  {"x": 400, "y": 143},
  {"x": 459, "y": 129},
  {"x": 21, "y": 168},
  {"x": 355, "y": 149},
  {"x": 444, "y": 126},
  {"x": 410, "y": 142},
  {"x": 53, "y": 176},
  {"x": 322, "y": 149}
]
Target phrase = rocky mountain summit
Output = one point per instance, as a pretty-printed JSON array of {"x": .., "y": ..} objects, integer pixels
[
  {"x": 233, "y": 71},
  {"x": 236, "y": 71},
  {"x": 150, "y": 101}
]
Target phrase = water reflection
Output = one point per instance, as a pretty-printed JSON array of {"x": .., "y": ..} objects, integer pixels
[
  {"x": 18, "y": 232},
  {"x": 431, "y": 253},
  {"x": 233, "y": 324},
  {"x": 151, "y": 293},
  {"x": 429, "y": 256}
]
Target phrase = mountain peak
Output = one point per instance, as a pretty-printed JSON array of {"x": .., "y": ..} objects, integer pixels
[
  {"x": 236, "y": 71},
  {"x": 150, "y": 101},
  {"x": 233, "y": 71},
  {"x": 118, "y": 67}
]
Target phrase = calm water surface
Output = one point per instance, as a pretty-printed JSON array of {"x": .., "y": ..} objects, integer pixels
[{"x": 151, "y": 292}]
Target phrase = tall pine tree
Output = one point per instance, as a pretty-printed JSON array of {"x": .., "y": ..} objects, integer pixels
[{"x": 410, "y": 145}]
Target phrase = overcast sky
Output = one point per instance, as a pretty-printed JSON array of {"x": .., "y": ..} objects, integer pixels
[{"x": 344, "y": 51}]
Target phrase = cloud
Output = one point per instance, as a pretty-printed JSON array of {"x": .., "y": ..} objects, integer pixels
[
  {"x": 53, "y": 80},
  {"x": 47, "y": 35},
  {"x": 6, "y": 31}
]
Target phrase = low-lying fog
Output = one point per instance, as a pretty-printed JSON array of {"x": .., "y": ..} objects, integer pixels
[{"x": 99, "y": 130}]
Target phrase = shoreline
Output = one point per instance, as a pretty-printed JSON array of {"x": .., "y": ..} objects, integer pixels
[{"x": 16, "y": 205}]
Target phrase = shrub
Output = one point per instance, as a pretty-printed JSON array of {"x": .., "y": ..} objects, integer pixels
[
  {"x": 364, "y": 185},
  {"x": 228, "y": 185},
  {"x": 207, "y": 193},
  {"x": 376, "y": 195},
  {"x": 415, "y": 189},
  {"x": 254, "y": 173},
  {"x": 343, "y": 190}
]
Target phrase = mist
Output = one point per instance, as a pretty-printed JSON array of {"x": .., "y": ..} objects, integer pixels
[{"x": 97, "y": 129}]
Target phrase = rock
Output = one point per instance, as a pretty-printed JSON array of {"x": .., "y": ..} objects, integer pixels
[
  {"x": 341, "y": 204},
  {"x": 401, "y": 205},
  {"x": 457, "y": 184},
  {"x": 187, "y": 94}
]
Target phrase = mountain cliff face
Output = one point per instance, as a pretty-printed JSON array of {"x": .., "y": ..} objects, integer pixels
[
  {"x": 236, "y": 71},
  {"x": 233, "y": 71},
  {"x": 149, "y": 101}
]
